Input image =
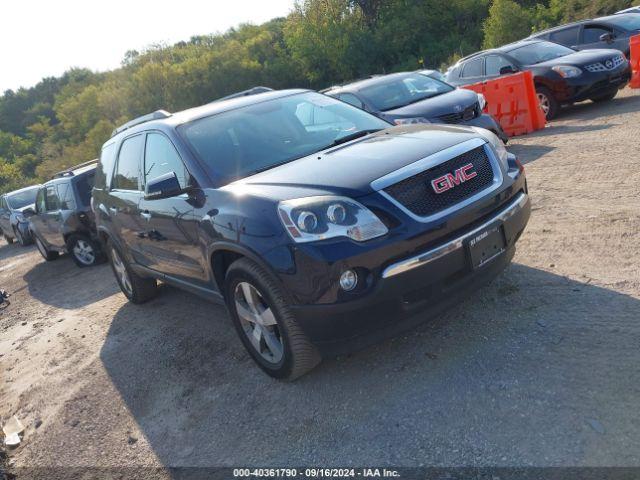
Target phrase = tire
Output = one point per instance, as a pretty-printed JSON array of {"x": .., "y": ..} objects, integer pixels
[
  {"x": 548, "y": 102},
  {"x": 245, "y": 279},
  {"x": 84, "y": 251},
  {"x": 8, "y": 239},
  {"x": 605, "y": 98},
  {"x": 136, "y": 288},
  {"x": 47, "y": 254}
]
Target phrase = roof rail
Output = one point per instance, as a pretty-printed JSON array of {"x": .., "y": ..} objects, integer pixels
[
  {"x": 69, "y": 171},
  {"x": 245, "y": 93},
  {"x": 157, "y": 115}
]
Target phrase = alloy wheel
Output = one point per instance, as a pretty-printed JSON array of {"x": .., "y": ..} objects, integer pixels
[
  {"x": 544, "y": 102},
  {"x": 258, "y": 322},
  {"x": 121, "y": 271},
  {"x": 84, "y": 252}
]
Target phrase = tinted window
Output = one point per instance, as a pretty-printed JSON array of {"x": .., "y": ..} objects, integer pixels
[
  {"x": 592, "y": 34},
  {"x": 161, "y": 157},
  {"x": 567, "y": 36},
  {"x": 351, "y": 99},
  {"x": 65, "y": 196},
  {"x": 51, "y": 198},
  {"x": 84, "y": 187},
  {"x": 472, "y": 68},
  {"x": 403, "y": 91},
  {"x": 256, "y": 137},
  {"x": 494, "y": 63},
  {"x": 539, "y": 52},
  {"x": 41, "y": 205},
  {"x": 627, "y": 21},
  {"x": 127, "y": 174},
  {"x": 22, "y": 199},
  {"x": 105, "y": 166}
]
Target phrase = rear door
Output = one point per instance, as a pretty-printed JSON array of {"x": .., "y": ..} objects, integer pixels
[
  {"x": 169, "y": 242},
  {"x": 472, "y": 71},
  {"x": 66, "y": 207},
  {"x": 569, "y": 37},
  {"x": 125, "y": 195}
]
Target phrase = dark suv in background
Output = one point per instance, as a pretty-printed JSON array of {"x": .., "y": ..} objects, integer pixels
[
  {"x": 64, "y": 221},
  {"x": 314, "y": 229},
  {"x": 15, "y": 208},
  {"x": 561, "y": 75},
  {"x": 605, "y": 32},
  {"x": 415, "y": 97}
]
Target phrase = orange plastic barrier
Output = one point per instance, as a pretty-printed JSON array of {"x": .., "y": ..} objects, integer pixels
[
  {"x": 634, "y": 43},
  {"x": 513, "y": 102}
]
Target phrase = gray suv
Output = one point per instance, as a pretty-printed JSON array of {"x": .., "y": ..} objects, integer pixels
[{"x": 15, "y": 207}]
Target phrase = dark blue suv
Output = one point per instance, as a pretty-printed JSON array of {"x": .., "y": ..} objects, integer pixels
[{"x": 321, "y": 226}]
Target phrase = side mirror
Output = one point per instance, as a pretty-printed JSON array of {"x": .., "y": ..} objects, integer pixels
[
  {"x": 28, "y": 212},
  {"x": 164, "y": 186},
  {"x": 507, "y": 69},
  {"x": 606, "y": 37}
]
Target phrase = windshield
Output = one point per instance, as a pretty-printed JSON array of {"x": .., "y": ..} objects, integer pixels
[
  {"x": 403, "y": 91},
  {"x": 627, "y": 21},
  {"x": 23, "y": 198},
  {"x": 244, "y": 141},
  {"x": 539, "y": 52}
]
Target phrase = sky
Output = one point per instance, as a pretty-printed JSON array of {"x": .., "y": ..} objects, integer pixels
[{"x": 43, "y": 38}]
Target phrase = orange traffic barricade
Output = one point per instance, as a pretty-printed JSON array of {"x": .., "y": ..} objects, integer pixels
[
  {"x": 634, "y": 43},
  {"x": 513, "y": 102}
]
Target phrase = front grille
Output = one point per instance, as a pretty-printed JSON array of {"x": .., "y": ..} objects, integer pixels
[
  {"x": 418, "y": 196},
  {"x": 467, "y": 114},
  {"x": 607, "y": 65}
]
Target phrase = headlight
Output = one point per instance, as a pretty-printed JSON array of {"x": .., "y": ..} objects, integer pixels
[
  {"x": 482, "y": 101},
  {"x": 496, "y": 143},
  {"x": 567, "y": 71},
  {"x": 318, "y": 218},
  {"x": 410, "y": 121}
]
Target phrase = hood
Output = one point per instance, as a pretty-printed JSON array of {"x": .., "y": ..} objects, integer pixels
[
  {"x": 581, "y": 58},
  {"x": 349, "y": 169},
  {"x": 448, "y": 103}
]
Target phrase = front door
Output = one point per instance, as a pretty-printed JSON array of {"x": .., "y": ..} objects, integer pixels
[{"x": 169, "y": 241}]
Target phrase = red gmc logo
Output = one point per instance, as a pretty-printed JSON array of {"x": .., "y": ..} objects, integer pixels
[{"x": 450, "y": 180}]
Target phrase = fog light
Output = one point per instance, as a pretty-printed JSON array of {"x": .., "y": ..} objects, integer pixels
[{"x": 348, "y": 280}]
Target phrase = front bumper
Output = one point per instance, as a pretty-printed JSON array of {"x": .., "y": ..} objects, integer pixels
[
  {"x": 590, "y": 85},
  {"x": 425, "y": 283},
  {"x": 487, "y": 122}
]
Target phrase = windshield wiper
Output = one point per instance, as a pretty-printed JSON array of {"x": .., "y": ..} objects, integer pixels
[{"x": 353, "y": 136}]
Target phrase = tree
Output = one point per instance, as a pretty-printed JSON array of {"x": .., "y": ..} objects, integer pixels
[{"x": 507, "y": 22}]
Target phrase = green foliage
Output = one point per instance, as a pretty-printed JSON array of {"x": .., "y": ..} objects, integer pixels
[
  {"x": 507, "y": 22},
  {"x": 63, "y": 121}
]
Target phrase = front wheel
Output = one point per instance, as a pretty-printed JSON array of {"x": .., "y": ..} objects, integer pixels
[
  {"x": 548, "y": 102},
  {"x": 136, "y": 288},
  {"x": 265, "y": 324},
  {"x": 47, "y": 254},
  {"x": 605, "y": 98}
]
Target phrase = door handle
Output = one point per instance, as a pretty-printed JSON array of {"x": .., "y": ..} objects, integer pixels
[{"x": 146, "y": 215}]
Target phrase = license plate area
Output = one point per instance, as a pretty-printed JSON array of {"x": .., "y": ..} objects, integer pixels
[{"x": 486, "y": 245}]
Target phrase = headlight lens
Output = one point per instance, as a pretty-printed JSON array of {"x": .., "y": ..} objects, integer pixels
[
  {"x": 318, "y": 218},
  {"x": 496, "y": 143},
  {"x": 482, "y": 101},
  {"x": 410, "y": 121},
  {"x": 567, "y": 71}
]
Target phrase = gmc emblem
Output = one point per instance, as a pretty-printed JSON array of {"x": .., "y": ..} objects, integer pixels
[{"x": 450, "y": 180}]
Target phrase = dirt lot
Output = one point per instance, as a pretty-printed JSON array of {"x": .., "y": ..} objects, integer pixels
[{"x": 539, "y": 368}]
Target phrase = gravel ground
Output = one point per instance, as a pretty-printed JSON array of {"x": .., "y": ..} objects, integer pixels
[{"x": 539, "y": 368}]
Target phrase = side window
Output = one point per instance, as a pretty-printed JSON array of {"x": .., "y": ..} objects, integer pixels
[
  {"x": 472, "y": 68},
  {"x": 494, "y": 63},
  {"x": 592, "y": 33},
  {"x": 104, "y": 171},
  {"x": 161, "y": 157},
  {"x": 65, "y": 196},
  {"x": 41, "y": 205},
  {"x": 127, "y": 174},
  {"x": 51, "y": 198},
  {"x": 567, "y": 37},
  {"x": 351, "y": 99}
]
